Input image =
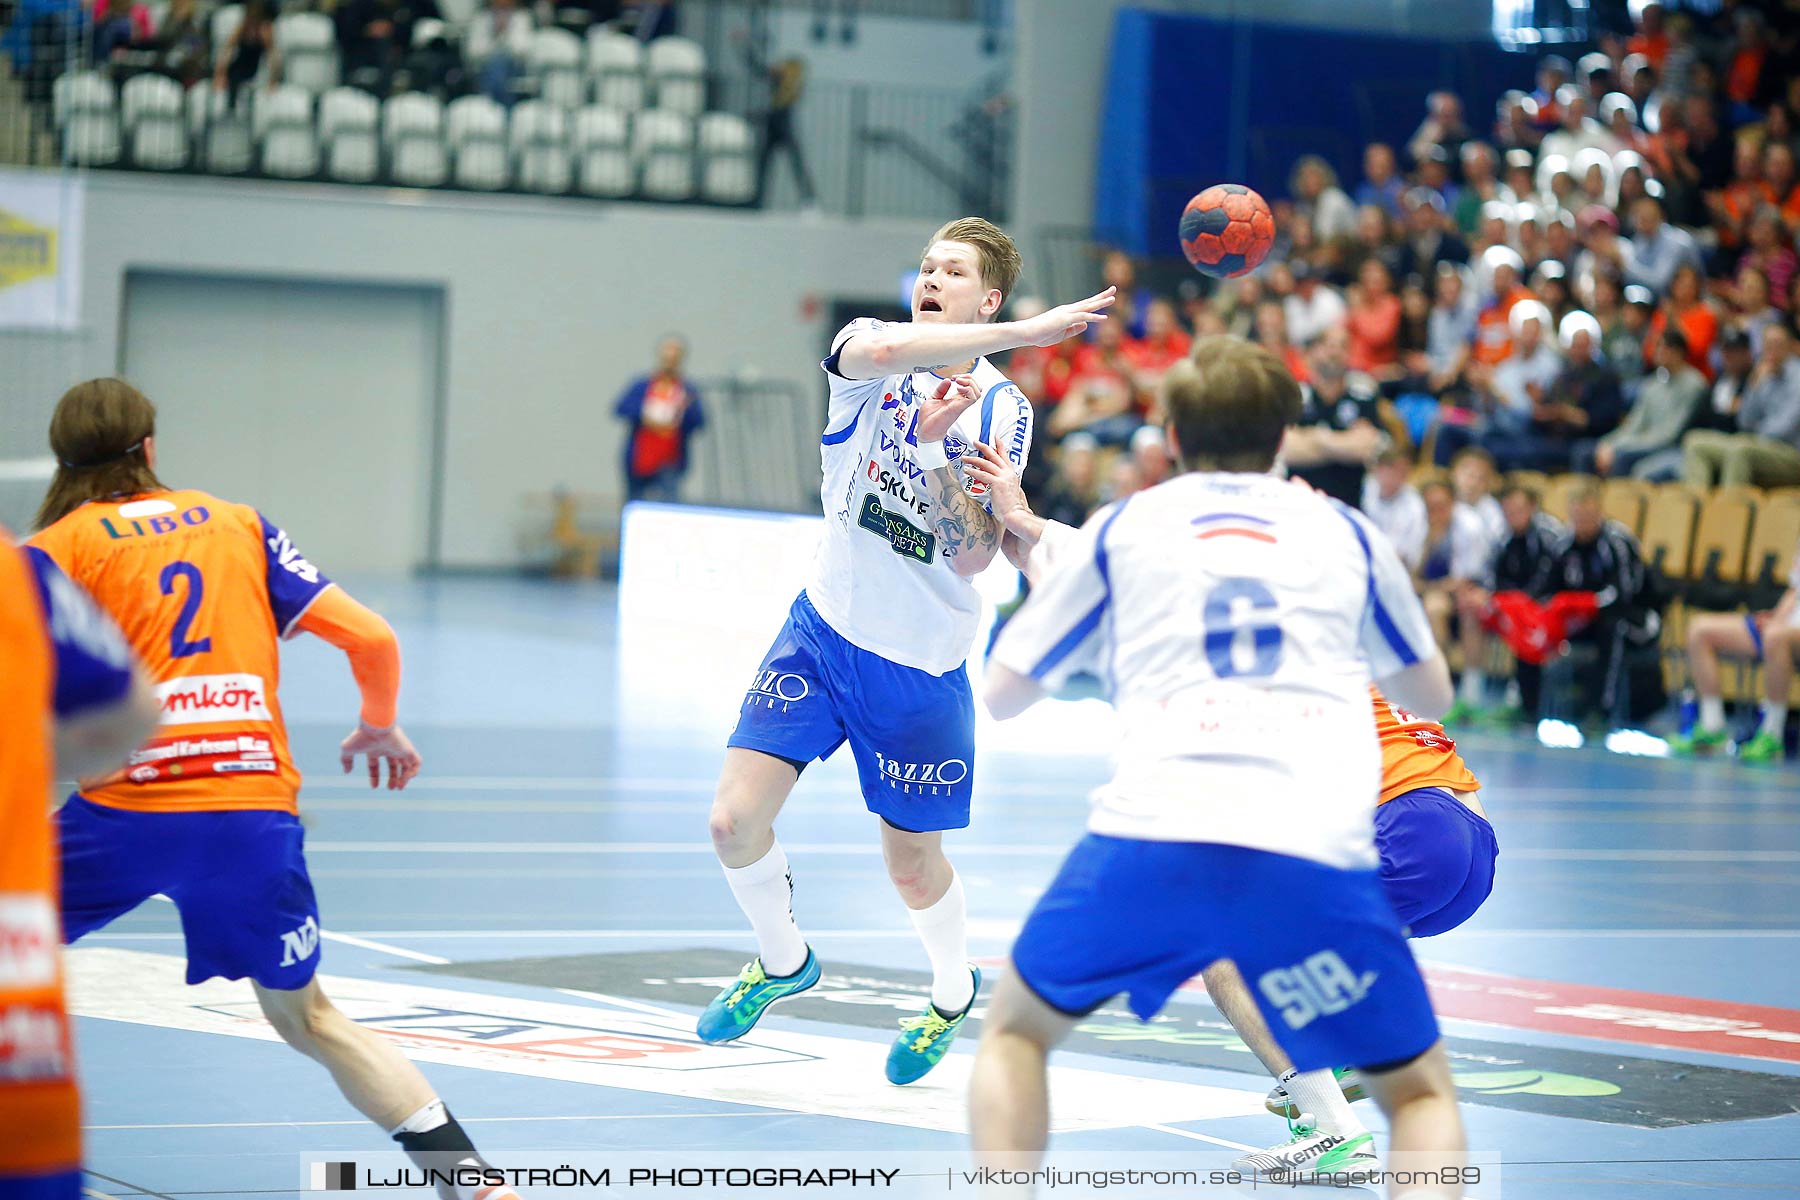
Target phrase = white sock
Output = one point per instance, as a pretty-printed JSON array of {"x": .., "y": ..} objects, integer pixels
[
  {"x": 765, "y": 891},
  {"x": 944, "y": 929},
  {"x": 1774, "y": 719},
  {"x": 1712, "y": 713},
  {"x": 1317, "y": 1094},
  {"x": 1474, "y": 686},
  {"x": 425, "y": 1120}
]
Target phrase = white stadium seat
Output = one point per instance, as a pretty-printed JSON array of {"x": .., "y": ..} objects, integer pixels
[
  {"x": 663, "y": 144},
  {"x": 225, "y": 22},
  {"x": 677, "y": 70},
  {"x": 149, "y": 96},
  {"x": 91, "y": 139},
  {"x": 285, "y": 106},
  {"x": 615, "y": 63},
  {"x": 556, "y": 66},
  {"x": 604, "y": 166},
  {"x": 419, "y": 162},
  {"x": 353, "y": 155},
  {"x": 727, "y": 165},
  {"x": 290, "y": 152},
  {"x": 81, "y": 92},
  {"x": 475, "y": 129},
  {"x": 481, "y": 165},
  {"x": 230, "y": 146},
  {"x": 411, "y": 115},
  {"x": 473, "y": 118},
  {"x": 346, "y": 109},
  {"x": 540, "y": 144},
  {"x": 308, "y": 45}
]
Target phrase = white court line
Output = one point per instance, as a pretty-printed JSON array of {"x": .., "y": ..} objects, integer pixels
[
  {"x": 621, "y": 1002},
  {"x": 870, "y": 849},
  {"x": 96, "y": 1192},
  {"x": 1201, "y": 1137},
  {"x": 460, "y": 1120},
  {"x": 349, "y": 939}
]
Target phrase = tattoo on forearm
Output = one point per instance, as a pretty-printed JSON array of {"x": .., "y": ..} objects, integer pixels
[{"x": 962, "y": 525}]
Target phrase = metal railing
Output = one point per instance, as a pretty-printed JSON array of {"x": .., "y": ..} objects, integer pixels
[{"x": 759, "y": 448}]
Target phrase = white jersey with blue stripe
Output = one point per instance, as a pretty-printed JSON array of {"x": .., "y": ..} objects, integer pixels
[
  {"x": 1238, "y": 620},
  {"x": 882, "y": 578}
]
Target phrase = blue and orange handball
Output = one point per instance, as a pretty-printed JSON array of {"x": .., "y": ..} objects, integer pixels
[{"x": 1227, "y": 230}]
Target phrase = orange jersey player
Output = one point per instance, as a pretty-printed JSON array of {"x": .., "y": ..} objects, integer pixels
[
  {"x": 205, "y": 811},
  {"x": 67, "y": 670},
  {"x": 1437, "y": 848}
]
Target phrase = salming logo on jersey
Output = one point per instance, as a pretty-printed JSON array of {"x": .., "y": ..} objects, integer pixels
[
  {"x": 1321, "y": 986},
  {"x": 282, "y": 550}
]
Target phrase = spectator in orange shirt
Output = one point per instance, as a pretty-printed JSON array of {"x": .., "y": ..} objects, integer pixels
[
  {"x": 1778, "y": 172},
  {"x": 1164, "y": 343},
  {"x": 1374, "y": 319},
  {"x": 1686, "y": 308},
  {"x": 1651, "y": 39},
  {"x": 1732, "y": 207},
  {"x": 1493, "y": 333}
]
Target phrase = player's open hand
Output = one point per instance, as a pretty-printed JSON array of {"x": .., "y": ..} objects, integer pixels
[
  {"x": 388, "y": 745},
  {"x": 950, "y": 400},
  {"x": 988, "y": 465},
  {"x": 1066, "y": 320}
]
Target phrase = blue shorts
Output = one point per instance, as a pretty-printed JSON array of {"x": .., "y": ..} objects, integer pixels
[
  {"x": 1437, "y": 859},
  {"x": 912, "y": 732},
  {"x": 1337, "y": 984},
  {"x": 63, "y": 1185},
  {"x": 238, "y": 879}
]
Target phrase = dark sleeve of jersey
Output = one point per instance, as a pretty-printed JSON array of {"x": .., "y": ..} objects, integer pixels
[
  {"x": 293, "y": 582},
  {"x": 92, "y": 660}
]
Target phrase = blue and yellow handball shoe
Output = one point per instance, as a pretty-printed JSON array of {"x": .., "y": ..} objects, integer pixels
[
  {"x": 926, "y": 1038},
  {"x": 735, "y": 1011}
]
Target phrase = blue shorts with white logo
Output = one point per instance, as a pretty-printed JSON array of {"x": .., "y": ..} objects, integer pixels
[
  {"x": 912, "y": 732},
  {"x": 1437, "y": 859},
  {"x": 238, "y": 879},
  {"x": 1337, "y": 984}
]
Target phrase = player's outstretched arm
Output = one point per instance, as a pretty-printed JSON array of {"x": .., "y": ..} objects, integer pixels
[
  {"x": 374, "y": 654},
  {"x": 1008, "y": 693},
  {"x": 926, "y": 346}
]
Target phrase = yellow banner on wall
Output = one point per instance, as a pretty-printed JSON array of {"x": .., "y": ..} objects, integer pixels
[{"x": 41, "y": 218}]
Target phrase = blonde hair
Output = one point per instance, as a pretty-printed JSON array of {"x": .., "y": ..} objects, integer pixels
[{"x": 996, "y": 256}]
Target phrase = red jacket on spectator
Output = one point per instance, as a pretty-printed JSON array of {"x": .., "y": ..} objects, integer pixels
[{"x": 1374, "y": 332}]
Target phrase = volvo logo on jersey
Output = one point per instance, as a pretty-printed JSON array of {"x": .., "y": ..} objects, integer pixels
[
  {"x": 890, "y": 484},
  {"x": 923, "y": 779}
]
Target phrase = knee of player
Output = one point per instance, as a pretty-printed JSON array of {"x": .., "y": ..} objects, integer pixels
[
  {"x": 302, "y": 1018},
  {"x": 727, "y": 827},
  {"x": 910, "y": 879}
]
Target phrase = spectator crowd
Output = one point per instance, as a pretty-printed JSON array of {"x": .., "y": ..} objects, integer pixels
[{"x": 1603, "y": 280}]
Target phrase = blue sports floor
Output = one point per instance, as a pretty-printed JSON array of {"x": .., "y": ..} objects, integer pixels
[{"x": 535, "y": 917}]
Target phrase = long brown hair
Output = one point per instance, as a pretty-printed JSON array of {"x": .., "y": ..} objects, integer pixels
[{"x": 97, "y": 435}]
